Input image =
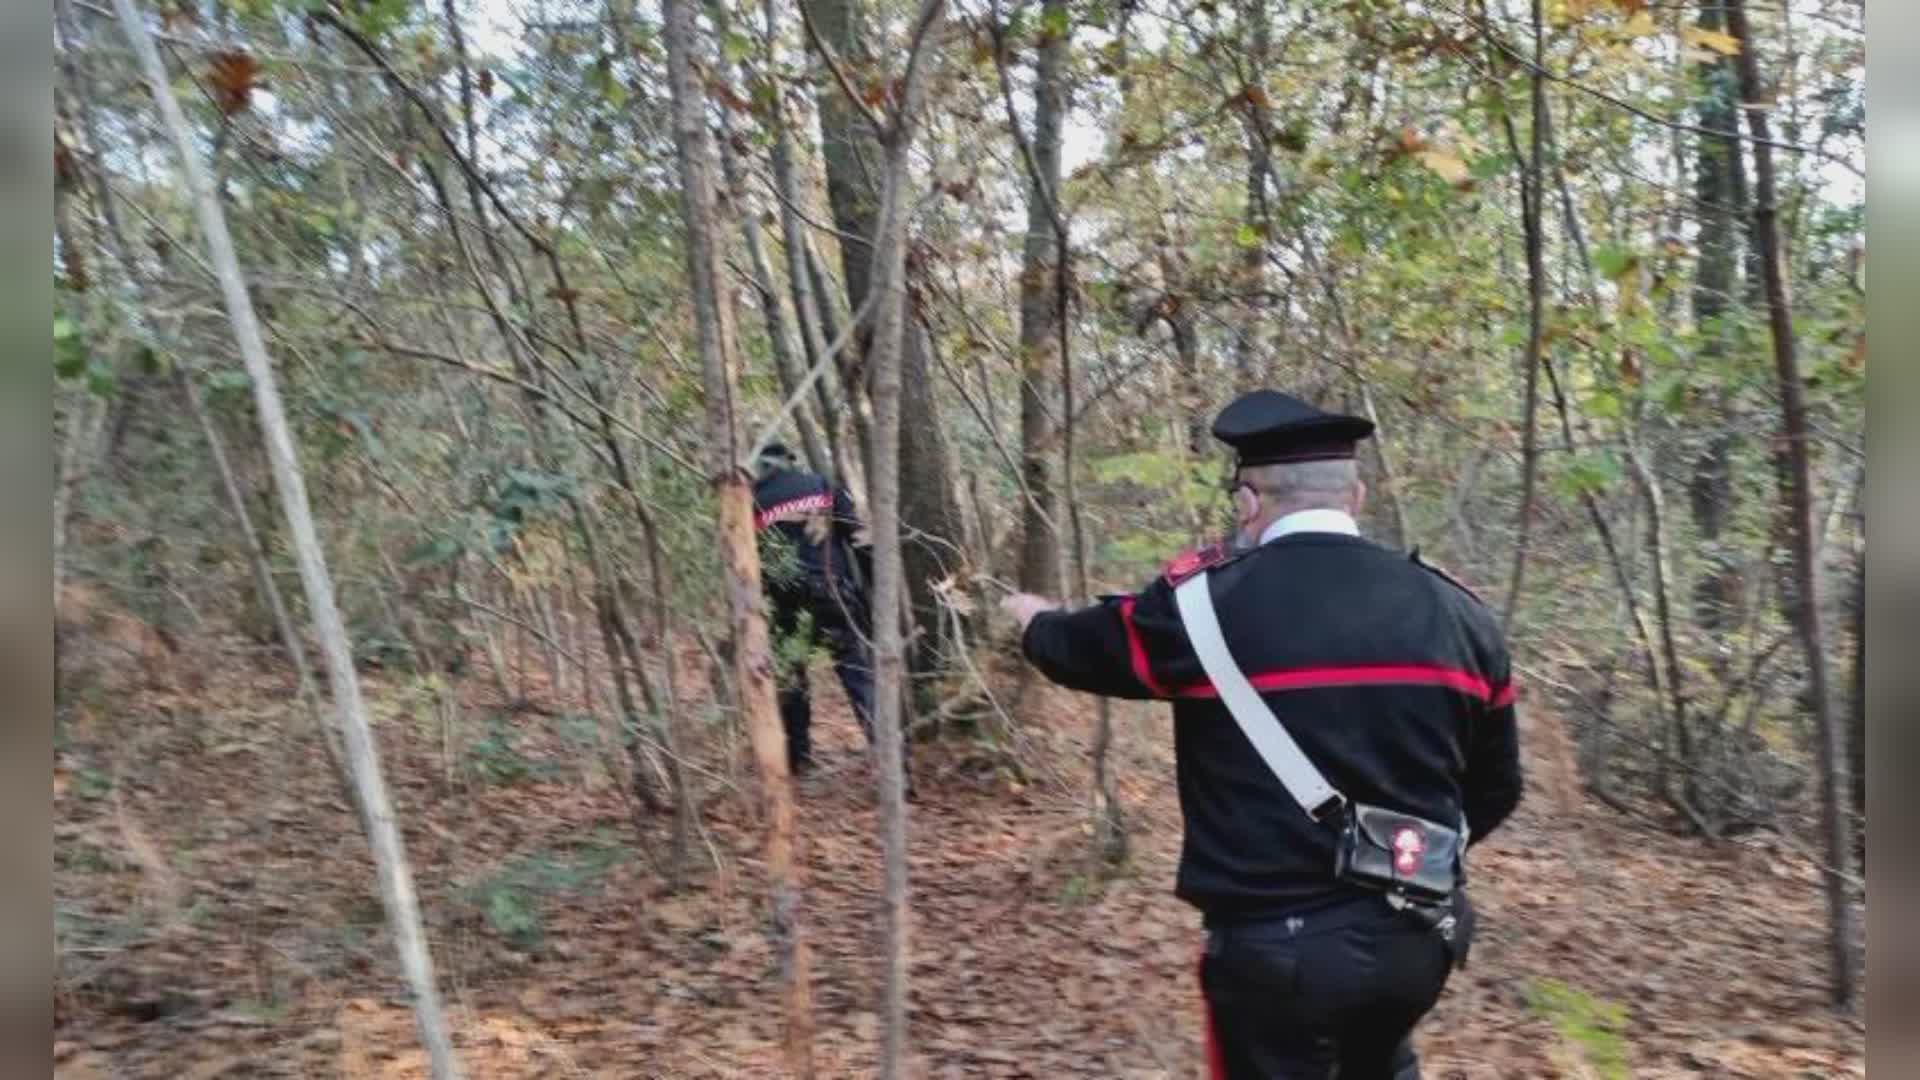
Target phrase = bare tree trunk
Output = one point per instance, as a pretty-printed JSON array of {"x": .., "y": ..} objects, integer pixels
[
  {"x": 518, "y": 629},
  {"x": 850, "y": 158},
  {"x": 752, "y": 654},
  {"x": 890, "y": 328},
  {"x": 1255, "y": 120},
  {"x": 1389, "y": 475},
  {"x": 1109, "y": 824},
  {"x": 1049, "y": 253},
  {"x": 1680, "y": 749},
  {"x": 929, "y": 507},
  {"x": 889, "y": 647},
  {"x": 852, "y": 389},
  {"x": 849, "y": 151},
  {"x": 933, "y": 549},
  {"x": 83, "y": 429},
  {"x": 1857, "y": 714},
  {"x": 809, "y": 304},
  {"x": 1532, "y": 192},
  {"x": 779, "y": 339},
  {"x": 1798, "y": 496},
  {"x": 1717, "y": 179},
  {"x": 540, "y": 608},
  {"x": 1039, "y": 343},
  {"x": 1190, "y": 397},
  {"x": 90, "y": 412},
  {"x": 389, "y": 852}
]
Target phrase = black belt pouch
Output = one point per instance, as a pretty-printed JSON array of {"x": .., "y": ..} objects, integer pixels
[{"x": 1415, "y": 862}]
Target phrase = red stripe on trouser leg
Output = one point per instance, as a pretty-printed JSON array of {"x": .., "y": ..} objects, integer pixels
[{"x": 1216, "y": 1061}]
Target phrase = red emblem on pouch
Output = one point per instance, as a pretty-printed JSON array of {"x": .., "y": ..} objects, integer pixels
[{"x": 1409, "y": 843}]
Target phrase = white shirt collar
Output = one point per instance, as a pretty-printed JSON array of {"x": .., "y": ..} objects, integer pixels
[{"x": 1320, "y": 521}]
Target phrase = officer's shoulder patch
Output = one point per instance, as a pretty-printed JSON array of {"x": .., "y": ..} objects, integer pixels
[
  {"x": 1431, "y": 568},
  {"x": 1194, "y": 560}
]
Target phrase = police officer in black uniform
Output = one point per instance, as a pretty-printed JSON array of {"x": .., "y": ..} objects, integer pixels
[
  {"x": 816, "y": 568},
  {"x": 1394, "y": 682}
]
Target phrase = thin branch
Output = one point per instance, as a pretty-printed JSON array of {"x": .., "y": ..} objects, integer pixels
[
  {"x": 407, "y": 90},
  {"x": 832, "y": 60},
  {"x": 998, "y": 33},
  {"x": 587, "y": 669},
  {"x": 813, "y": 375},
  {"x": 210, "y": 45},
  {"x": 540, "y": 392},
  {"x": 923, "y": 23},
  {"x": 801, "y": 212}
]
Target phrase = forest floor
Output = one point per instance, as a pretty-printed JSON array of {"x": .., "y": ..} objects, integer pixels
[{"x": 215, "y": 913}]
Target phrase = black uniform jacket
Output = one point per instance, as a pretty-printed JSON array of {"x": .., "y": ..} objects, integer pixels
[
  {"x": 1392, "y": 678},
  {"x": 817, "y": 521}
]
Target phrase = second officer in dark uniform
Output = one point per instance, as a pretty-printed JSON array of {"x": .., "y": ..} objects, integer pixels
[
  {"x": 816, "y": 569},
  {"x": 1391, "y": 680}
]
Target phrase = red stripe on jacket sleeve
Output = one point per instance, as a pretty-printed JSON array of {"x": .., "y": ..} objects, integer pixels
[
  {"x": 1315, "y": 678},
  {"x": 1502, "y": 697},
  {"x": 1137, "y": 652}
]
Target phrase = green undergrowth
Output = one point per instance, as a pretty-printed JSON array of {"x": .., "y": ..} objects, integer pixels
[
  {"x": 1593, "y": 1027},
  {"x": 513, "y": 897}
]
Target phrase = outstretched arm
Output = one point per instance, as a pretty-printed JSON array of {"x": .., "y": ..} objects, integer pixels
[{"x": 1093, "y": 649}]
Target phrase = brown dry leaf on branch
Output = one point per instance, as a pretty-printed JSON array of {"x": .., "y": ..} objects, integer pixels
[{"x": 234, "y": 76}]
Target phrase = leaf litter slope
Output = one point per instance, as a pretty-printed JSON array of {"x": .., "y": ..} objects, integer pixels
[{"x": 216, "y": 918}]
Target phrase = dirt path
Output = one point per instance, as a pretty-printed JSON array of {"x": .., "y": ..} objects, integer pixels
[{"x": 263, "y": 956}]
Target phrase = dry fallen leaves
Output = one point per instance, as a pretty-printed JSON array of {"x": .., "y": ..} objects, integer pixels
[{"x": 1019, "y": 960}]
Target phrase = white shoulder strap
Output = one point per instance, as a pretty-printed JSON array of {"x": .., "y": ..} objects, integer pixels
[{"x": 1263, "y": 729}]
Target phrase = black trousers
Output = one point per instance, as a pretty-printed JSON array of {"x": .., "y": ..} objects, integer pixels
[
  {"x": 1330, "y": 994},
  {"x": 852, "y": 661}
]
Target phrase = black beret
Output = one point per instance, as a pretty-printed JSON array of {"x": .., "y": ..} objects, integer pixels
[{"x": 1268, "y": 427}]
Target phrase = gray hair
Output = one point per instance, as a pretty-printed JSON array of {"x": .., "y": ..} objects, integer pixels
[{"x": 1306, "y": 485}]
